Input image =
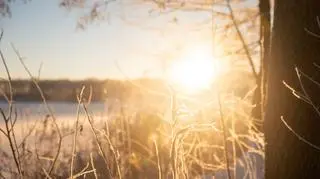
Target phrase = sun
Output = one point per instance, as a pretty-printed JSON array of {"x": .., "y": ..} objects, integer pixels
[{"x": 195, "y": 70}]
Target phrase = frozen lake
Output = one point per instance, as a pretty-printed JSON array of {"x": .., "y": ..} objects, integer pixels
[{"x": 59, "y": 108}]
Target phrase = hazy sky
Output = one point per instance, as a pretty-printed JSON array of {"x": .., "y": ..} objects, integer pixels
[{"x": 43, "y": 32}]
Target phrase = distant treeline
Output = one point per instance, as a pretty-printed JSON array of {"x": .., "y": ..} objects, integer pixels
[
  {"x": 67, "y": 90},
  {"x": 239, "y": 83}
]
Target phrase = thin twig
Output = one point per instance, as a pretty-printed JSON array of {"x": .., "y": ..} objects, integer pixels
[
  {"x": 39, "y": 71},
  {"x": 93, "y": 167},
  {"x": 305, "y": 91},
  {"x": 299, "y": 136},
  {"x": 10, "y": 130},
  {"x": 245, "y": 46},
  {"x": 7, "y": 133},
  {"x": 82, "y": 172},
  {"x": 76, "y": 132},
  {"x": 7, "y": 69},
  {"x": 222, "y": 121},
  {"x": 12, "y": 123},
  {"x": 54, "y": 120},
  {"x": 158, "y": 159},
  {"x": 46, "y": 173},
  {"x": 97, "y": 141},
  {"x": 114, "y": 152}
]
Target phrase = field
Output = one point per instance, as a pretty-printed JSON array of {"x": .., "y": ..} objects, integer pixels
[{"x": 156, "y": 135}]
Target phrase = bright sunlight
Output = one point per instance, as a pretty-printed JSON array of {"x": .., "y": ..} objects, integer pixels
[{"x": 195, "y": 70}]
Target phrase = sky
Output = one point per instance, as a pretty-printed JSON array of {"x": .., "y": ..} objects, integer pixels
[{"x": 45, "y": 33}]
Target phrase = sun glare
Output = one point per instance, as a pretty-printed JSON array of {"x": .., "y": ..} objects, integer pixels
[{"x": 195, "y": 70}]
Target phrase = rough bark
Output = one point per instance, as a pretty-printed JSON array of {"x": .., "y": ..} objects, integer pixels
[{"x": 292, "y": 46}]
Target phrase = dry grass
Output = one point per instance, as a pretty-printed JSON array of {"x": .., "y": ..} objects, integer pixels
[{"x": 140, "y": 143}]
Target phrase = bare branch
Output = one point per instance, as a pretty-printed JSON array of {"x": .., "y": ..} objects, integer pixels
[
  {"x": 46, "y": 105},
  {"x": 98, "y": 141},
  {"x": 76, "y": 131},
  {"x": 299, "y": 136},
  {"x": 245, "y": 46}
]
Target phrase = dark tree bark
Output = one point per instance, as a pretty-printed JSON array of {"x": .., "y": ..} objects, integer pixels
[
  {"x": 260, "y": 92},
  {"x": 287, "y": 156}
]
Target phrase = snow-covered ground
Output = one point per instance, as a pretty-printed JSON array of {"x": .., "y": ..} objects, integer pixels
[{"x": 256, "y": 172}]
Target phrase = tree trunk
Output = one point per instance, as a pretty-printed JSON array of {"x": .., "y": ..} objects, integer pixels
[
  {"x": 287, "y": 156},
  {"x": 260, "y": 92}
]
